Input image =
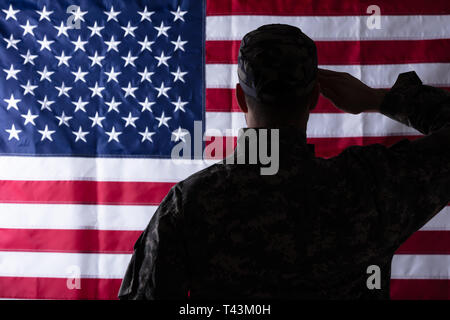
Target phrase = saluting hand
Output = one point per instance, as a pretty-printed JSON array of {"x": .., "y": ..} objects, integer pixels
[{"x": 348, "y": 93}]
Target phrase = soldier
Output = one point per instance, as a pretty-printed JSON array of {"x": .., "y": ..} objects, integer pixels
[{"x": 312, "y": 229}]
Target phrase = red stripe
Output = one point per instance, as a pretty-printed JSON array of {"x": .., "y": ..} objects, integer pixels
[
  {"x": 83, "y": 192},
  {"x": 224, "y": 100},
  {"x": 324, "y": 147},
  {"x": 107, "y": 289},
  {"x": 426, "y": 242},
  {"x": 324, "y": 7},
  {"x": 420, "y": 289},
  {"x": 56, "y": 288},
  {"x": 58, "y": 240},
  {"x": 352, "y": 52}
]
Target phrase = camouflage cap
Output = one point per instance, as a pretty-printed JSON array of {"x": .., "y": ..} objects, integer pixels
[{"x": 277, "y": 63}]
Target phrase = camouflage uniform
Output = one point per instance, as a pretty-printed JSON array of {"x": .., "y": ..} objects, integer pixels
[{"x": 311, "y": 230}]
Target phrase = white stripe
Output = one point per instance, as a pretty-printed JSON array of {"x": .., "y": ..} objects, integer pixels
[
  {"x": 440, "y": 222},
  {"x": 338, "y": 28},
  {"x": 70, "y": 216},
  {"x": 424, "y": 266},
  {"x": 320, "y": 125},
  {"x": 378, "y": 76},
  {"x": 113, "y": 266},
  {"x": 60, "y": 265},
  {"x": 105, "y": 217},
  {"x": 99, "y": 169}
]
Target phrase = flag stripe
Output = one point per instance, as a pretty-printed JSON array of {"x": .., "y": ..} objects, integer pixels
[
  {"x": 351, "y": 52},
  {"x": 84, "y": 241},
  {"x": 98, "y": 169},
  {"x": 426, "y": 242},
  {"x": 324, "y": 7},
  {"x": 57, "y": 289},
  {"x": 378, "y": 76},
  {"x": 224, "y": 100},
  {"x": 335, "y": 28},
  {"x": 320, "y": 125},
  {"x": 83, "y": 192},
  {"x": 323, "y": 147},
  {"x": 112, "y": 217},
  {"x": 420, "y": 289},
  {"x": 113, "y": 266},
  {"x": 74, "y": 216}
]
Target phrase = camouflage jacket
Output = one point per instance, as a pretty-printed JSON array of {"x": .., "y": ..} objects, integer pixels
[{"x": 309, "y": 231}]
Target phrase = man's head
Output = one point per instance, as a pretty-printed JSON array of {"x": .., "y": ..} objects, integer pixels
[{"x": 277, "y": 70}]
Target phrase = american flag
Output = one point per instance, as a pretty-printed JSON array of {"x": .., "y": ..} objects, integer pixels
[{"x": 95, "y": 94}]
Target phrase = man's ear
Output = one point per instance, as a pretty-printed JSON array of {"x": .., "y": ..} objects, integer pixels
[
  {"x": 240, "y": 96},
  {"x": 314, "y": 97}
]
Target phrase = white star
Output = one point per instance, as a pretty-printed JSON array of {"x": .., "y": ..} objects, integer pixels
[
  {"x": 12, "y": 102},
  {"x": 112, "y": 45},
  {"x": 130, "y": 120},
  {"x": 96, "y": 120},
  {"x": 62, "y": 29},
  {"x": 146, "y": 15},
  {"x": 162, "y": 59},
  {"x": 96, "y": 59},
  {"x": 45, "y": 104},
  {"x": 113, "y": 135},
  {"x": 63, "y": 90},
  {"x": 129, "y": 91},
  {"x": 13, "y": 133},
  {"x": 178, "y": 14},
  {"x": 97, "y": 91},
  {"x": 95, "y": 30},
  {"x": 78, "y": 15},
  {"x": 146, "y": 44},
  {"x": 112, "y": 15},
  {"x": 45, "y": 44},
  {"x": 79, "y": 75},
  {"x": 179, "y": 105},
  {"x": 162, "y": 90},
  {"x": 146, "y": 75},
  {"x": 80, "y": 135},
  {"x": 179, "y": 44},
  {"x": 112, "y": 75},
  {"x": 129, "y": 59},
  {"x": 146, "y": 105},
  {"x": 163, "y": 120},
  {"x": 129, "y": 30},
  {"x": 28, "y": 58},
  {"x": 79, "y": 44},
  {"x": 113, "y": 105},
  {"x": 162, "y": 30},
  {"x": 12, "y": 42},
  {"x": 179, "y": 134},
  {"x": 146, "y": 135},
  {"x": 45, "y": 74},
  {"x": 80, "y": 105},
  {"x": 28, "y": 28},
  {"x": 29, "y": 118},
  {"x": 178, "y": 75},
  {"x": 46, "y": 134},
  {"x": 63, "y": 119},
  {"x": 63, "y": 59},
  {"x": 28, "y": 88},
  {"x": 10, "y": 13},
  {"x": 44, "y": 14},
  {"x": 11, "y": 72}
]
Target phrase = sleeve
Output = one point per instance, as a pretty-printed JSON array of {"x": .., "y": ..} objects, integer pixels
[
  {"x": 410, "y": 180},
  {"x": 158, "y": 266}
]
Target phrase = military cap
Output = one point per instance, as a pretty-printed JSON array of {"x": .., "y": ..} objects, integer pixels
[{"x": 277, "y": 62}]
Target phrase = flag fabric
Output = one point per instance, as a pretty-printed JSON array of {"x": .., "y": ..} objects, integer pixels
[{"x": 94, "y": 95}]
